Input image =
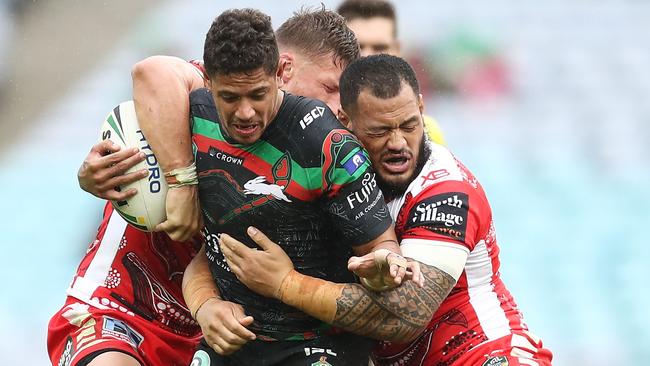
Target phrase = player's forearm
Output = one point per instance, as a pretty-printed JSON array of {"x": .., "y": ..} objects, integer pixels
[
  {"x": 198, "y": 284},
  {"x": 161, "y": 87},
  {"x": 396, "y": 315}
]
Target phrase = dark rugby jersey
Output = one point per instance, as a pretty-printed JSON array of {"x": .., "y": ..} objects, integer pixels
[{"x": 307, "y": 184}]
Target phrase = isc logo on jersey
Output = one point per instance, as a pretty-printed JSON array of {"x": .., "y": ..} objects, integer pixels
[
  {"x": 311, "y": 116},
  {"x": 146, "y": 209}
]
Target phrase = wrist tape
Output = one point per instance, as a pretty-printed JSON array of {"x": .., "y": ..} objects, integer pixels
[
  {"x": 314, "y": 296},
  {"x": 197, "y": 291},
  {"x": 182, "y": 176}
]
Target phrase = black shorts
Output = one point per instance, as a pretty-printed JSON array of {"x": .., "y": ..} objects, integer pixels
[{"x": 337, "y": 350}]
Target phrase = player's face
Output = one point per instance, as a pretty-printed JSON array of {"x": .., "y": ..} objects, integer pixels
[
  {"x": 316, "y": 78},
  {"x": 246, "y": 103},
  {"x": 392, "y": 132},
  {"x": 375, "y": 35}
]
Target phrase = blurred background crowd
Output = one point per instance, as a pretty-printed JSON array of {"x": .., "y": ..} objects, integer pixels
[{"x": 547, "y": 102}]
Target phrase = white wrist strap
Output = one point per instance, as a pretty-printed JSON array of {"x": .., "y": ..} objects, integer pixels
[{"x": 182, "y": 176}]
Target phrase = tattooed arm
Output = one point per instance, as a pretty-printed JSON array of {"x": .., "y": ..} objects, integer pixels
[{"x": 399, "y": 314}]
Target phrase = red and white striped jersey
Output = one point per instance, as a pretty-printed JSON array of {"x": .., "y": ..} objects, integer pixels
[
  {"x": 137, "y": 273},
  {"x": 446, "y": 205}
]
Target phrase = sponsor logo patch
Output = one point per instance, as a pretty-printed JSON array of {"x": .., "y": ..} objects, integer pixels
[
  {"x": 225, "y": 157},
  {"x": 66, "y": 356},
  {"x": 433, "y": 176},
  {"x": 311, "y": 116},
  {"x": 496, "y": 361},
  {"x": 120, "y": 330},
  {"x": 444, "y": 214},
  {"x": 354, "y": 162}
]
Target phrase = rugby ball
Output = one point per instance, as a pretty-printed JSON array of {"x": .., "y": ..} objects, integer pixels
[{"x": 146, "y": 209}]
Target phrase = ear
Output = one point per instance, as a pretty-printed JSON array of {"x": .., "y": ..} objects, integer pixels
[
  {"x": 279, "y": 72},
  {"x": 285, "y": 68},
  {"x": 344, "y": 118},
  {"x": 421, "y": 103}
]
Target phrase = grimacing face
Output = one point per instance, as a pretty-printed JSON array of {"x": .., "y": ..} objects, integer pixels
[
  {"x": 246, "y": 102},
  {"x": 392, "y": 132},
  {"x": 375, "y": 35},
  {"x": 316, "y": 78}
]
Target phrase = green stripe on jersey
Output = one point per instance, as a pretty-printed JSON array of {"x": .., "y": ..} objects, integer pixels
[{"x": 308, "y": 178}]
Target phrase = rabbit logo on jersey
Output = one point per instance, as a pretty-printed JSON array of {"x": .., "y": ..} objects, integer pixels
[
  {"x": 444, "y": 213},
  {"x": 258, "y": 185}
]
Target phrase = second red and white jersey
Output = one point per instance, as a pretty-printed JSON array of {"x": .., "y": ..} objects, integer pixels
[
  {"x": 445, "y": 205},
  {"x": 137, "y": 273}
]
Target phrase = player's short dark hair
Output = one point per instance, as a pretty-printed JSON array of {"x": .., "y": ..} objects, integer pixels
[
  {"x": 364, "y": 9},
  {"x": 382, "y": 75},
  {"x": 240, "y": 40},
  {"x": 319, "y": 32}
]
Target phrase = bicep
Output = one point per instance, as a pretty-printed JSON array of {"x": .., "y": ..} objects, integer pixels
[
  {"x": 386, "y": 240},
  {"x": 445, "y": 256},
  {"x": 161, "y": 88}
]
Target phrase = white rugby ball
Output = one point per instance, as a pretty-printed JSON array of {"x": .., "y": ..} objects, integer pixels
[{"x": 146, "y": 209}]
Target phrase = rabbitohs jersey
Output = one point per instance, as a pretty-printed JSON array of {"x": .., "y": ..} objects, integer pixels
[
  {"x": 446, "y": 204},
  {"x": 307, "y": 184},
  {"x": 136, "y": 273}
]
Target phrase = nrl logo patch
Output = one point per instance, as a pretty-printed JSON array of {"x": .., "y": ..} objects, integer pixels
[{"x": 496, "y": 361}]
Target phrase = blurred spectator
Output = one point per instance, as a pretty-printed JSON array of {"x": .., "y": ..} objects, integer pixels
[
  {"x": 6, "y": 35},
  {"x": 468, "y": 65},
  {"x": 374, "y": 22}
]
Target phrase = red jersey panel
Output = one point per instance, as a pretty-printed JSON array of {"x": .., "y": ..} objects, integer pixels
[
  {"x": 136, "y": 273},
  {"x": 446, "y": 205}
]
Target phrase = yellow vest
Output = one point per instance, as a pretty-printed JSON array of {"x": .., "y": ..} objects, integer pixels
[{"x": 433, "y": 130}]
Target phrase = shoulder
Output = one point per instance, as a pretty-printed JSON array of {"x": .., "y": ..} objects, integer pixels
[
  {"x": 201, "y": 96},
  {"x": 202, "y": 105},
  {"x": 442, "y": 166},
  {"x": 445, "y": 195},
  {"x": 314, "y": 130},
  {"x": 310, "y": 119},
  {"x": 199, "y": 68}
]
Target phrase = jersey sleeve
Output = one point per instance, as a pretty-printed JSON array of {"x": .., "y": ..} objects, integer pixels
[
  {"x": 452, "y": 212},
  {"x": 200, "y": 68},
  {"x": 350, "y": 193}
]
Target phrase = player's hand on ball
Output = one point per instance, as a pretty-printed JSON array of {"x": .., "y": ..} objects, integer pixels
[
  {"x": 184, "y": 218},
  {"x": 223, "y": 324},
  {"x": 262, "y": 271},
  {"x": 104, "y": 167}
]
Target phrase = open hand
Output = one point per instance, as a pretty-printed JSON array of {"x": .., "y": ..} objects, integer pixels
[
  {"x": 104, "y": 168},
  {"x": 262, "y": 271}
]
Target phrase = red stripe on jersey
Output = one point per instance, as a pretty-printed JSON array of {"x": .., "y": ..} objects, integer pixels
[{"x": 254, "y": 164}]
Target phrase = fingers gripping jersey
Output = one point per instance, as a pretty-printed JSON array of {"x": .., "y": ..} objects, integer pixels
[
  {"x": 305, "y": 183},
  {"x": 445, "y": 205}
]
